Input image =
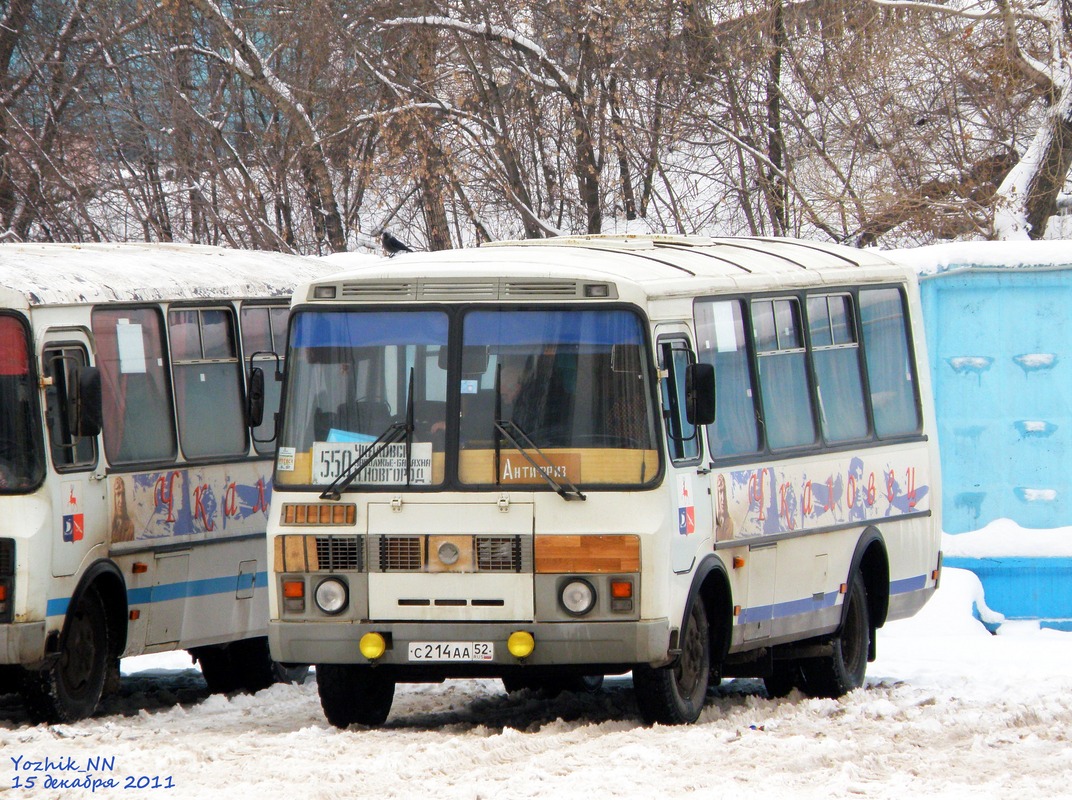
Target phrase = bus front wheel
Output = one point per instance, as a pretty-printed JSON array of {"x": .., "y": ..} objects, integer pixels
[
  {"x": 674, "y": 694},
  {"x": 71, "y": 686},
  {"x": 352, "y": 694}
]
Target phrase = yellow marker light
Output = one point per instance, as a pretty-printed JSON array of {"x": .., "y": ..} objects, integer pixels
[
  {"x": 372, "y": 646},
  {"x": 520, "y": 644}
]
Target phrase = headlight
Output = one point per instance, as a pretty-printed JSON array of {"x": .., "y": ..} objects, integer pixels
[
  {"x": 578, "y": 597},
  {"x": 331, "y": 596}
]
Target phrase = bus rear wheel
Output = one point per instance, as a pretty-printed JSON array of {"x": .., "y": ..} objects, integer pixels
[
  {"x": 674, "y": 694},
  {"x": 843, "y": 670},
  {"x": 71, "y": 687},
  {"x": 244, "y": 666},
  {"x": 352, "y": 694}
]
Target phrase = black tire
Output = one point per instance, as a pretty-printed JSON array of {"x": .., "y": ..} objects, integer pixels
[
  {"x": 352, "y": 694},
  {"x": 674, "y": 694},
  {"x": 216, "y": 668},
  {"x": 70, "y": 688},
  {"x": 844, "y": 669},
  {"x": 254, "y": 668},
  {"x": 244, "y": 666},
  {"x": 784, "y": 678}
]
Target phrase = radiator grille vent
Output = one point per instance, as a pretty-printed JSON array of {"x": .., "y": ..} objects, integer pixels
[
  {"x": 339, "y": 553},
  {"x": 401, "y": 553},
  {"x": 406, "y": 553},
  {"x": 7, "y": 556},
  {"x": 499, "y": 554}
]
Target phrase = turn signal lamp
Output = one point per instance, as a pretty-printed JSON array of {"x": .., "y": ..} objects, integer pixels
[
  {"x": 293, "y": 589},
  {"x": 520, "y": 644},
  {"x": 372, "y": 646},
  {"x": 294, "y": 596}
]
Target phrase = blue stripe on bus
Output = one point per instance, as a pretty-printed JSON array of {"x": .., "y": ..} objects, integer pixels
[
  {"x": 176, "y": 591},
  {"x": 795, "y": 607},
  {"x": 908, "y": 585}
]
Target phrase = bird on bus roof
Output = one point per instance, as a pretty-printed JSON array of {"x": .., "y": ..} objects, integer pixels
[{"x": 393, "y": 245}]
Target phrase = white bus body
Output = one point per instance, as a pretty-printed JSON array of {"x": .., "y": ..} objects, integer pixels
[
  {"x": 489, "y": 466},
  {"x": 147, "y": 535}
]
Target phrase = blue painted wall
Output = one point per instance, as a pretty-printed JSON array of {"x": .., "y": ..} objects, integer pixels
[{"x": 999, "y": 343}]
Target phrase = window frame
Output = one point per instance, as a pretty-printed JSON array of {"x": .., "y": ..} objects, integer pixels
[
  {"x": 277, "y": 356},
  {"x": 235, "y": 359},
  {"x": 159, "y": 312},
  {"x": 52, "y": 391},
  {"x": 455, "y": 314},
  {"x": 671, "y": 394},
  {"x": 821, "y": 444}
]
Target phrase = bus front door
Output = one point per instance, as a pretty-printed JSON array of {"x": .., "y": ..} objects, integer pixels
[{"x": 80, "y": 511}]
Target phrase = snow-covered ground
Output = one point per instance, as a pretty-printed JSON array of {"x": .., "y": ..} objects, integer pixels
[{"x": 948, "y": 711}]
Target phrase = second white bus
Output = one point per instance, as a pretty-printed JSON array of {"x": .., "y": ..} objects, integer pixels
[
  {"x": 551, "y": 461},
  {"x": 133, "y": 499}
]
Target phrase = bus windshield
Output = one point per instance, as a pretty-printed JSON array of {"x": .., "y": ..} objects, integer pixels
[
  {"x": 572, "y": 387},
  {"x": 21, "y": 454}
]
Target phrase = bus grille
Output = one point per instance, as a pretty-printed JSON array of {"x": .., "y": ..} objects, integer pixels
[
  {"x": 7, "y": 556},
  {"x": 498, "y": 554},
  {"x": 406, "y": 553},
  {"x": 339, "y": 553},
  {"x": 401, "y": 553}
]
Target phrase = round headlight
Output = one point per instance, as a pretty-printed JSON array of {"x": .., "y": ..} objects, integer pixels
[
  {"x": 331, "y": 596},
  {"x": 578, "y": 597}
]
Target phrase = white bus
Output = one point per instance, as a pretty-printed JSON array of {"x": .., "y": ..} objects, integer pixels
[
  {"x": 133, "y": 499},
  {"x": 554, "y": 460}
]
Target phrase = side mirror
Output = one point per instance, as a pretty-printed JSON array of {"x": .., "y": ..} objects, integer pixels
[
  {"x": 86, "y": 401},
  {"x": 700, "y": 394},
  {"x": 255, "y": 398}
]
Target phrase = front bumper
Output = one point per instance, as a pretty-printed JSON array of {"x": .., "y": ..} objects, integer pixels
[
  {"x": 557, "y": 644},
  {"x": 22, "y": 642}
]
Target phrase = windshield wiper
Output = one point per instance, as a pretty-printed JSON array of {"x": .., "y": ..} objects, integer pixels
[
  {"x": 520, "y": 441},
  {"x": 395, "y": 432}
]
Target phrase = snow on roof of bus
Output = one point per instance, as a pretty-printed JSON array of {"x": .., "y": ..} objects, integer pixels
[{"x": 79, "y": 273}]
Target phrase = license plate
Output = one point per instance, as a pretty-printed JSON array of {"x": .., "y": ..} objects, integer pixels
[{"x": 451, "y": 651}]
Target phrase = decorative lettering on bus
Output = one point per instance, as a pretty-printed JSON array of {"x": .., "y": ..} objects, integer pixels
[
  {"x": 784, "y": 499},
  {"x": 190, "y": 503},
  {"x": 561, "y": 467}
]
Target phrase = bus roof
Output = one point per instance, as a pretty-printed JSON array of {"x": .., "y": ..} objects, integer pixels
[
  {"x": 656, "y": 265},
  {"x": 68, "y": 274}
]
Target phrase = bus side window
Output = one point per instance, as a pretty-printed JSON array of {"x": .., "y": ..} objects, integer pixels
[
  {"x": 61, "y": 363},
  {"x": 836, "y": 357},
  {"x": 783, "y": 373},
  {"x": 208, "y": 382},
  {"x": 139, "y": 423},
  {"x": 723, "y": 343},
  {"x": 890, "y": 372}
]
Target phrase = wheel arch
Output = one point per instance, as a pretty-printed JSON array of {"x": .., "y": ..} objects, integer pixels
[
  {"x": 872, "y": 560},
  {"x": 105, "y": 578},
  {"x": 712, "y": 586}
]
